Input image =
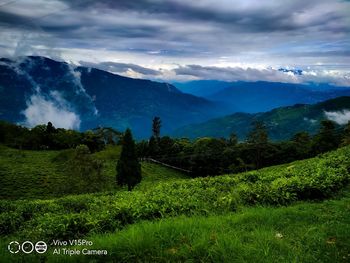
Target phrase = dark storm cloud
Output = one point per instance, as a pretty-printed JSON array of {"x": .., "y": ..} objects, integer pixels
[
  {"x": 181, "y": 32},
  {"x": 13, "y": 20},
  {"x": 281, "y": 18}
]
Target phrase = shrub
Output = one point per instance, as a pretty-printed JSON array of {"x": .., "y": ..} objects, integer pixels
[{"x": 76, "y": 216}]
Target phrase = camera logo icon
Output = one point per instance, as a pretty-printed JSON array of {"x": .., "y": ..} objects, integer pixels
[
  {"x": 40, "y": 247},
  {"x": 27, "y": 247},
  {"x": 14, "y": 247}
]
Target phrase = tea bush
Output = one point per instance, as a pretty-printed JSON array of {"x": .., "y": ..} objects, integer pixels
[{"x": 76, "y": 216}]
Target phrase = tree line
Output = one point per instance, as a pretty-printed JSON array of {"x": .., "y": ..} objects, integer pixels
[
  {"x": 203, "y": 157},
  {"x": 47, "y": 137},
  {"x": 211, "y": 156}
]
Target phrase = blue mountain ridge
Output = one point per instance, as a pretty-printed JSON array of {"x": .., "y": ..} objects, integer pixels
[{"x": 99, "y": 98}]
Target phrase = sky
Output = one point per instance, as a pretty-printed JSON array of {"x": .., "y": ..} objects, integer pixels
[{"x": 180, "y": 40}]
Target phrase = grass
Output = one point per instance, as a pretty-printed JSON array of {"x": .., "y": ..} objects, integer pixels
[
  {"x": 76, "y": 216},
  {"x": 28, "y": 174},
  {"x": 304, "y": 232},
  {"x": 39, "y": 174},
  {"x": 154, "y": 175},
  {"x": 275, "y": 214}
]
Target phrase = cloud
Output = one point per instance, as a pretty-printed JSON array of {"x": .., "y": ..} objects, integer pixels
[
  {"x": 234, "y": 73},
  {"x": 41, "y": 110},
  {"x": 121, "y": 68},
  {"x": 340, "y": 117},
  {"x": 142, "y": 36},
  {"x": 225, "y": 73},
  {"x": 334, "y": 77}
]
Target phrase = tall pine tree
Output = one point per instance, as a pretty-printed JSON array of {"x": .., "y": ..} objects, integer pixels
[
  {"x": 153, "y": 143},
  {"x": 156, "y": 125},
  {"x": 128, "y": 166}
]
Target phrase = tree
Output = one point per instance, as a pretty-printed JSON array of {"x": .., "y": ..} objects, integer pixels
[
  {"x": 207, "y": 156},
  {"x": 48, "y": 137},
  {"x": 108, "y": 135},
  {"x": 156, "y": 125},
  {"x": 302, "y": 142},
  {"x": 50, "y": 128},
  {"x": 85, "y": 172},
  {"x": 128, "y": 166},
  {"x": 93, "y": 141},
  {"x": 258, "y": 140},
  {"x": 326, "y": 139},
  {"x": 233, "y": 139},
  {"x": 346, "y": 135},
  {"x": 153, "y": 147}
]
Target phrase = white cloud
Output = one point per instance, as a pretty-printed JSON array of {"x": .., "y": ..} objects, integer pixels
[
  {"x": 340, "y": 117},
  {"x": 336, "y": 77},
  {"x": 76, "y": 78},
  {"x": 41, "y": 110}
]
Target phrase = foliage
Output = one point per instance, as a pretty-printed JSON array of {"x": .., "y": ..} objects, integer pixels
[
  {"x": 257, "y": 139},
  {"x": 47, "y": 137},
  {"x": 44, "y": 174},
  {"x": 307, "y": 232},
  {"x": 281, "y": 123},
  {"x": 311, "y": 179},
  {"x": 85, "y": 172},
  {"x": 108, "y": 135},
  {"x": 346, "y": 135},
  {"x": 212, "y": 156},
  {"x": 326, "y": 139},
  {"x": 156, "y": 125},
  {"x": 128, "y": 166}
]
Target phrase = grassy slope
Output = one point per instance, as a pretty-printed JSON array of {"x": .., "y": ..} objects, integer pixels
[
  {"x": 304, "y": 232},
  {"x": 28, "y": 174},
  {"x": 312, "y": 232},
  {"x": 37, "y": 174}
]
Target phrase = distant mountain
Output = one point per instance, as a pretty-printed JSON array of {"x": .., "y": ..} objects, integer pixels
[
  {"x": 202, "y": 88},
  {"x": 282, "y": 123},
  {"x": 37, "y": 89},
  {"x": 252, "y": 97}
]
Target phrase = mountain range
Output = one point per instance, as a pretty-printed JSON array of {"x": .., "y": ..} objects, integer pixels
[
  {"x": 35, "y": 90},
  {"x": 260, "y": 96},
  {"x": 282, "y": 123}
]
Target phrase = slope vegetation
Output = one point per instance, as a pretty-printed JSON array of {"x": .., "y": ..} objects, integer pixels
[
  {"x": 202, "y": 219},
  {"x": 282, "y": 123},
  {"x": 42, "y": 174}
]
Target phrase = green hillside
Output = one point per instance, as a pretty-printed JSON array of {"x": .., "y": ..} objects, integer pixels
[
  {"x": 279, "y": 213},
  {"x": 282, "y": 123},
  {"x": 306, "y": 232},
  {"x": 26, "y": 174}
]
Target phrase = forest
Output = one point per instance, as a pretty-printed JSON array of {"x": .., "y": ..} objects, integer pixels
[
  {"x": 200, "y": 157},
  {"x": 101, "y": 186}
]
